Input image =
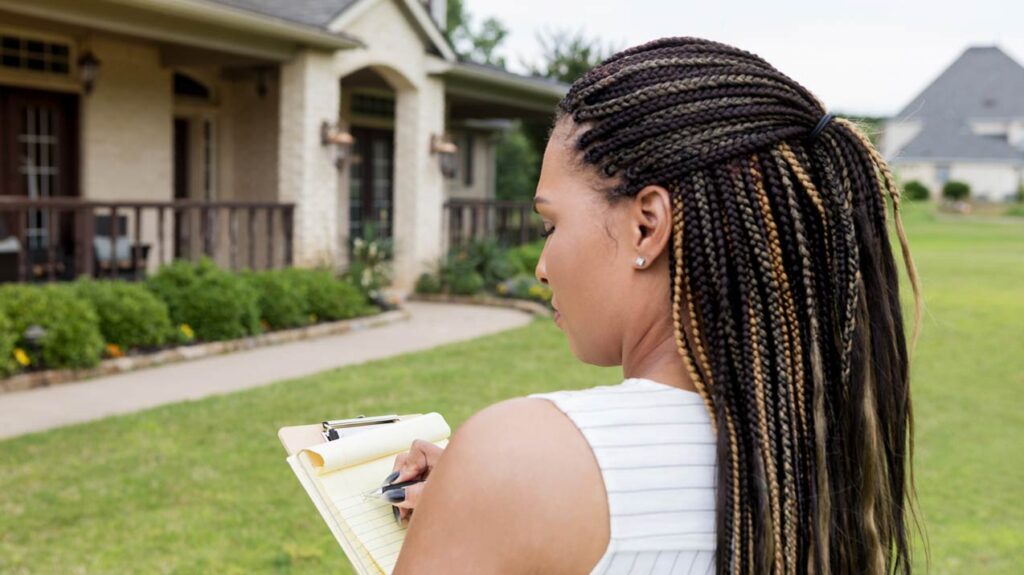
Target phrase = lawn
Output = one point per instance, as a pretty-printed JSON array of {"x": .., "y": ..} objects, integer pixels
[{"x": 202, "y": 486}]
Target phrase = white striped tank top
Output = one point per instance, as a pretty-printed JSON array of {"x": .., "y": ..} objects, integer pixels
[{"x": 656, "y": 449}]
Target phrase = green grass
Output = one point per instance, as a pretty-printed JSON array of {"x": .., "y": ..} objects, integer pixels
[{"x": 202, "y": 486}]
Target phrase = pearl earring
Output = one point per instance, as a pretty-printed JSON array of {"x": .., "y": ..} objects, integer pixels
[{"x": 640, "y": 261}]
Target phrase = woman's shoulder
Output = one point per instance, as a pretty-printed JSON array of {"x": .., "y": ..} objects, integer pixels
[{"x": 552, "y": 481}]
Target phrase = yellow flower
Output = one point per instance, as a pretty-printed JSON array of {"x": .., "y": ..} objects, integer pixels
[
  {"x": 186, "y": 330},
  {"x": 114, "y": 350},
  {"x": 536, "y": 291},
  {"x": 21, "y": 357}
]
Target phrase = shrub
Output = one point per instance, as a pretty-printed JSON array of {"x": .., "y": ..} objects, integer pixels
[
  {"x": 525, "y": 286},
  {"x": 281, "y": 297},
  {"x": 955, "y": 190},
  {"x": 526, "y": 256},
  {"x": 915, "y": 191},
  {"x": 370, "y": 263},
  {"x": 214, "y": 303},
  {"x": 428, "y": 283},
  {"x": 7, "y": 339},
  {"x": 465, "y": 282},
  {"x": 327, "y": 297},
  {"x": 71, "y": 337},
  {"x": 491, "y": 261},
  {"x": 130, "y": 316}
]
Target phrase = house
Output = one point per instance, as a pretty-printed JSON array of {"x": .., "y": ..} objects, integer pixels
[
  {"x": 967, "y": 125},
  {"x": 259, "y": 132}
]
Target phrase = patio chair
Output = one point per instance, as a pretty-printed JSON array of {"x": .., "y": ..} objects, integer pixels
[{"x": 104, "y": 248}]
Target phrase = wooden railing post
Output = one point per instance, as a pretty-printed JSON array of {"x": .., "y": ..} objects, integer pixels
[
  {"x": 252, "y": 238},
  {"x": 270, "y": 238},
  {"x": 233, "y": 236},
  {"x": 161, "y": 234},
  {"x": 138, "y": 242},
  {"x": 289, "y": 222},
  {"x": 114, "y": 229}
]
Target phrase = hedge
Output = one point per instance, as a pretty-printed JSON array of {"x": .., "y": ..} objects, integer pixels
[
  {"x": 130, "y": 316},
  {"x": 214, "y": 303},
  {"x": 70, "y": 326}
]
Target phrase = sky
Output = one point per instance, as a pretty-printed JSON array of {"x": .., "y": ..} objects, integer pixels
[{"x": 866, "y": 57}]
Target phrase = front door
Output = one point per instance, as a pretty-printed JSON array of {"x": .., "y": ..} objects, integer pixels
[
  {"x": 371, "y": 192},
  {"x": 39, "y": 159}
]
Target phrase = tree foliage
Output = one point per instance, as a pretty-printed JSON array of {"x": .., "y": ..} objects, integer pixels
[{"x": 567, "y": 55}]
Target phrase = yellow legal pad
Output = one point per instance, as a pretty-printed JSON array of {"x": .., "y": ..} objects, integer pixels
[{"x": 336, "y": 473}]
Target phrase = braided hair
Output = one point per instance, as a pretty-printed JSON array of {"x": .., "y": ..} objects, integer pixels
[{"x": 785, "y": 296}]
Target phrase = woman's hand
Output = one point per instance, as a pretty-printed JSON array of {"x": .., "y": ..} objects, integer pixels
[{"x": 417, "y": 463}]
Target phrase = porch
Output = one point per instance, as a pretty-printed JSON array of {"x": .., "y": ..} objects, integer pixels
[{"x": 55, "y": 239}]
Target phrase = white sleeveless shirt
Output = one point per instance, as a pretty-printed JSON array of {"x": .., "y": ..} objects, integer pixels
[{"x": 656, "y": 449}]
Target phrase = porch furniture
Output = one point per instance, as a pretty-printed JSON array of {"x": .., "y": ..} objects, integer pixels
[{"x": 120, "y": 252}]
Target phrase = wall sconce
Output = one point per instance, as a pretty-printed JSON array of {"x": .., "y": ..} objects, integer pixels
[
  {"x": 332, "y": 134},
  {"x": 446, "y": 151},
  {"x": 88, "y": 71}
]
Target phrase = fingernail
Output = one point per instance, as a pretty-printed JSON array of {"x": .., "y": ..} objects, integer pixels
[
  {"x": 395, "y": 495},
  {"x": 392, "y": 477},
  {"x": 398, "y": 515}
]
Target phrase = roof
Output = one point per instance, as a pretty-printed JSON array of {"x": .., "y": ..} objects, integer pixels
[
  {"x": 497, "y": 74},
  {"x": 314, "y": 13},
  {"x": 954, "y": 140},
  {"x": 983, "y": 82},
  {"x": 320, "y": 14}
]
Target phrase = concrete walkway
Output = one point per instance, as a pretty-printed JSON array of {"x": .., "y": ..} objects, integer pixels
[{"x": 431, "y": 325}]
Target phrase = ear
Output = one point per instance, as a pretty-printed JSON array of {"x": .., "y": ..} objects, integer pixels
[{"x": 651, "y": 221}]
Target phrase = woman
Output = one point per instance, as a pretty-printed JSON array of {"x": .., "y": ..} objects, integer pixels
[{"x": 714, "y": 231}]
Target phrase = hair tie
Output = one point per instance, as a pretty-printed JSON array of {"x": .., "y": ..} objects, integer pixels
[{"x": 821, "y": 126}]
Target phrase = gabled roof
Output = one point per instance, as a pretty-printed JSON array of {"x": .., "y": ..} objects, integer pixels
[
  {"x": 321, "y": 14},
  {"x": 982, "y": 83},
  {"x": 315, "y": 13}
]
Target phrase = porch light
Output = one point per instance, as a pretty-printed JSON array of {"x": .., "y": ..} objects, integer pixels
[
  {"x": 332, "y": 134},
  {"x": 88, "y": 71},
  {"x": 446, "y": 151}
]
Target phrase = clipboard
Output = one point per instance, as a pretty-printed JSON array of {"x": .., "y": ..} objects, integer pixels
[{"x": 297, "y": 437}]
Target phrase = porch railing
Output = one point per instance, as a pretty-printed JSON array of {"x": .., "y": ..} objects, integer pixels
[
  {"x": 511, "y": 223},
  {"x": 60, "y": 238}
]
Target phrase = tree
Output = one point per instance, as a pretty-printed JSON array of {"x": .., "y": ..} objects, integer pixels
[
  {"x": 477, "y": 45},
  {"x": 567, "y": 55},
  {"x": 519, "y": 165}
]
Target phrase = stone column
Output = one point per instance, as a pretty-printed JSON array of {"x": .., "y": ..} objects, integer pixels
[
  {"x": 310, "y": 94},
  {"x": 418, "y": 186}
]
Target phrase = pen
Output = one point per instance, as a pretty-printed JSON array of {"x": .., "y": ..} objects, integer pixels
[{"x": 380, "y": 491}]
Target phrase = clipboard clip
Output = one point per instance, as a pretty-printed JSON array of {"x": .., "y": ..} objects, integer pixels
[{"x": 331, "y": 426}]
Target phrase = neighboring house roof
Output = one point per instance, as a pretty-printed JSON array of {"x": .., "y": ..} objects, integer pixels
[
  {"x": 983, "y": 82},
  {"x": 954, "y": 140}
]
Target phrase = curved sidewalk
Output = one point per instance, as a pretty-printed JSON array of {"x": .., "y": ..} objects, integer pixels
[{"x": 431, "y": 325}]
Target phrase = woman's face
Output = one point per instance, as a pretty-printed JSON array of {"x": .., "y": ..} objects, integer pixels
[{"x": 603, "y": 300}]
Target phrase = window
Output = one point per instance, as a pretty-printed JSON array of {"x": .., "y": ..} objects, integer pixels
[
  {"x": 373, "y": 105},
  {"x": 942, "y": 173},
  {"x": 35, "y": 55}
]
